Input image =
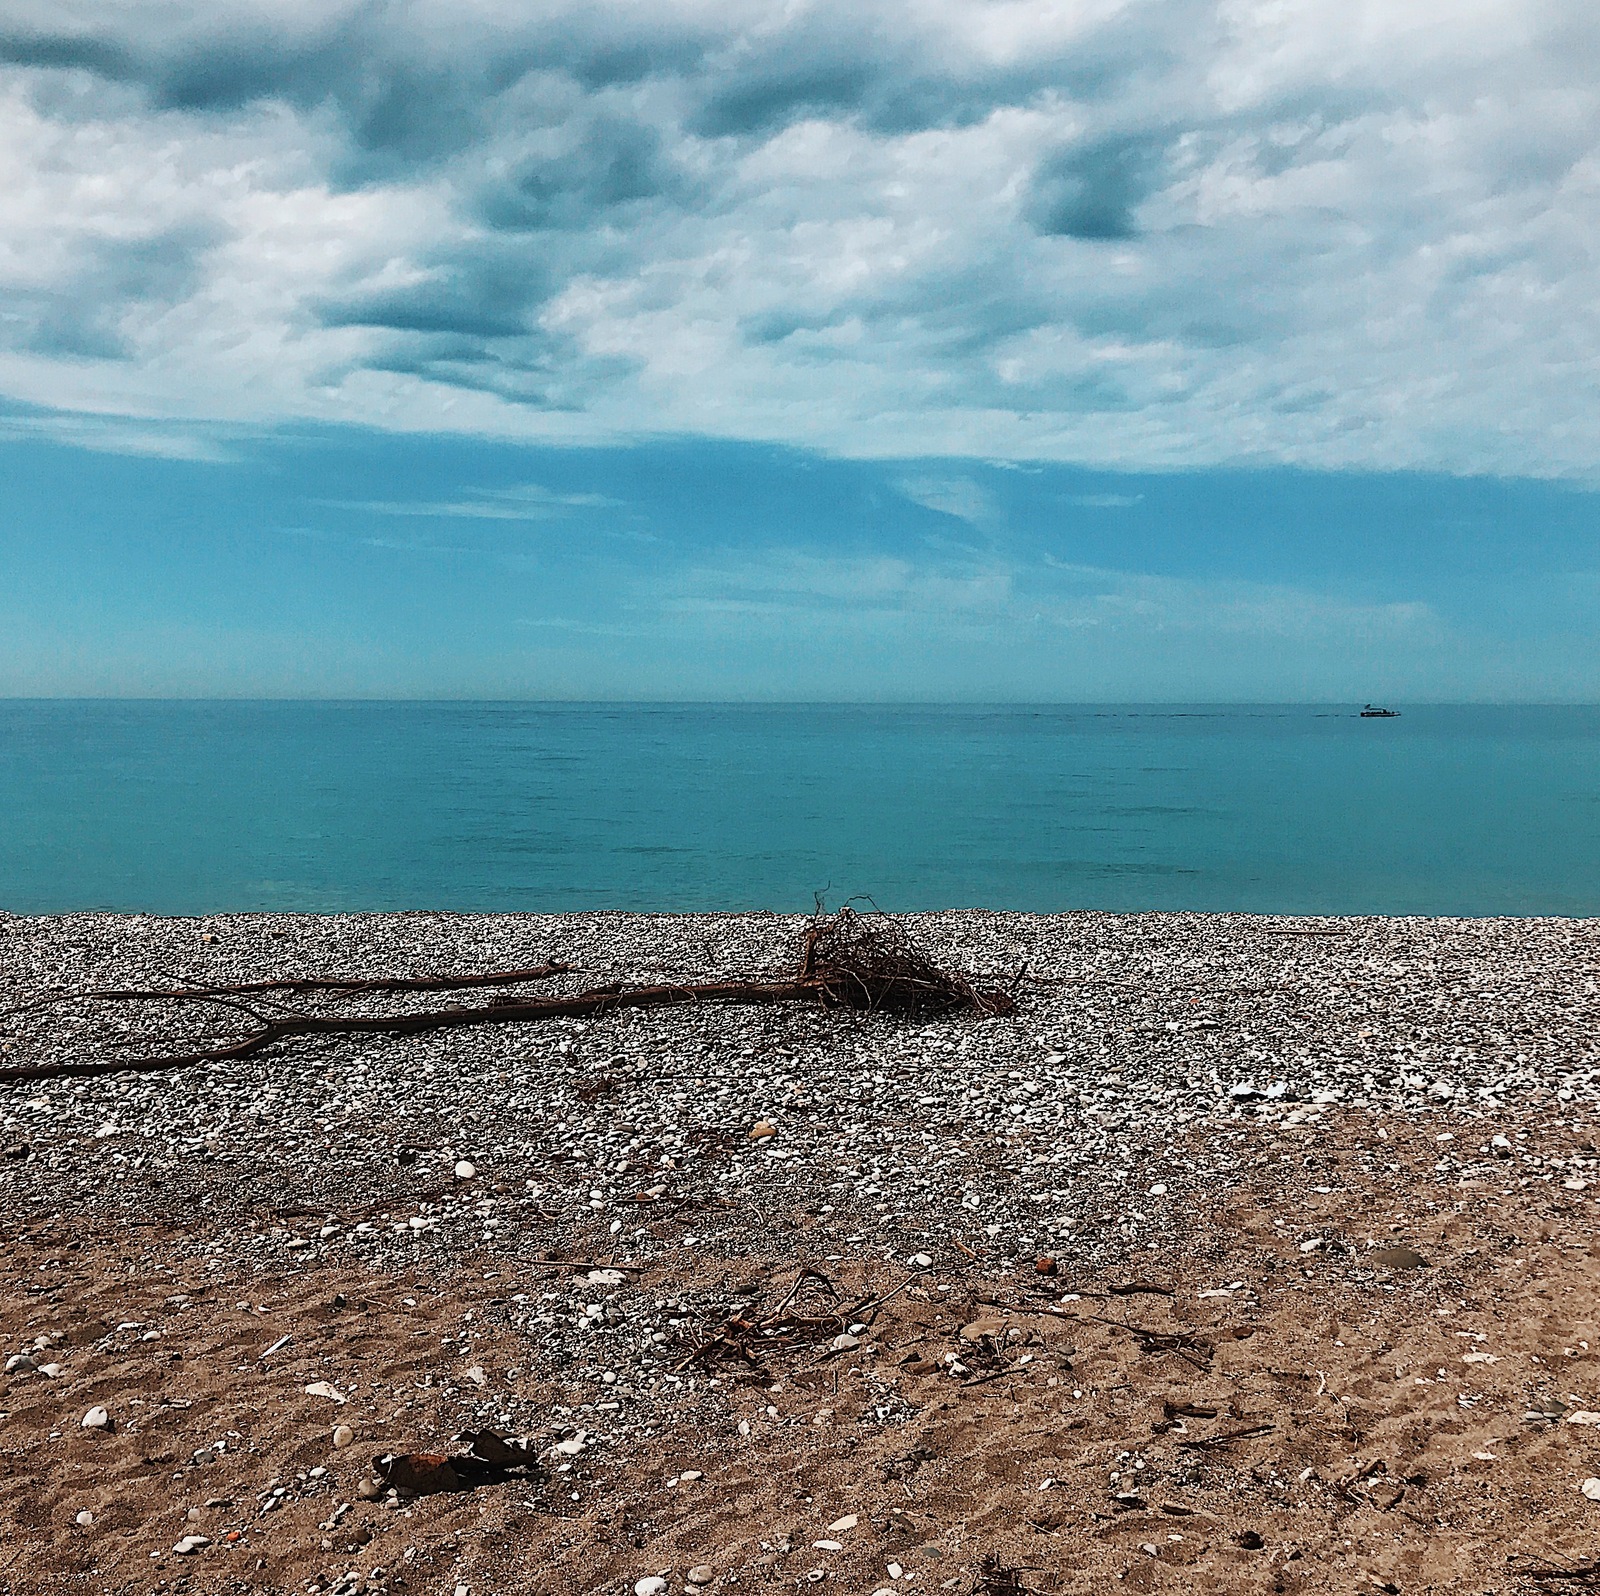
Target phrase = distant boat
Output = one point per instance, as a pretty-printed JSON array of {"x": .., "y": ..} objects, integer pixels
[{"x": 1372, "y": 712}]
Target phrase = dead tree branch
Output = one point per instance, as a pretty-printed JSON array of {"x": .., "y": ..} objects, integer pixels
[{"x": 849, "y": 961}]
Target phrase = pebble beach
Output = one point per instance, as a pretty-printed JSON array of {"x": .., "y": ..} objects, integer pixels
[{"x": 1248, "y": 1254}]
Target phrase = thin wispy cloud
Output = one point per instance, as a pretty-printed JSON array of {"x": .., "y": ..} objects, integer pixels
[{"x": 529, "y": 503}]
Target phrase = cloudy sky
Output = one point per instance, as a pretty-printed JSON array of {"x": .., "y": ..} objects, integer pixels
[{"x": 1128, "y": 348}]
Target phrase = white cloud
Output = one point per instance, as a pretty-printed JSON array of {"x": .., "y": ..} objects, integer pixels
[{"x": 1111, "y": 231}]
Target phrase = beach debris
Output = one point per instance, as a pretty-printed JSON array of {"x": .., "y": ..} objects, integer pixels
[
  {"x": 996, "y": 1578},
  {"x": 489, "y": 1459},
  {"x": 1526, "y": 1567},
  {"x": 864, "y": 962},
  {"x": 1227, "y": 1438}
]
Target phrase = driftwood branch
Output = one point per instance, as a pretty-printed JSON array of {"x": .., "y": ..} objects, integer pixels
[
  {"x": 349, "y": 985},
  {"x": 848, "y": 961}
]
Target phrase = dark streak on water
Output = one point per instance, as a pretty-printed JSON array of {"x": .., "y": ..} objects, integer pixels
[{"x": 195, "y": 807}]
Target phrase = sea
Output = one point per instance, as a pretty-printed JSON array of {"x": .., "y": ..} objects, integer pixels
[{"x": 201, "y": 807}]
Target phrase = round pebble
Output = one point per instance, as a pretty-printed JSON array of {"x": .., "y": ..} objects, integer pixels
[
  {"x": 84, "y": 1519},
  {"x": 343, "y": 1435},
  {"x": 701, "y": 1574},
  {"x": 97, "y": 1419},
  {"x": 465, "y": 1170},
  {"x": 651, "y": 1585}
]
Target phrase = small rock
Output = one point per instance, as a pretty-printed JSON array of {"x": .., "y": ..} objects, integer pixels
[
  {"x": 465, "y": 1170},
  {"x": 701, "y": 1574},
  {"x": 1591, "y": 1489},
  {"x": 1583, "y": 1416},
  {"x": 97, "y": 1419},
  {"x": 84, "y": 1519},
  {"x": 190, "y": 1544},
  {"x": 691, "y": 1475},
  {"x": 762, "y": 1130},
  {"x": 829, "y": 1546},
  {"x": 572, "y": 1446},
  {"x": 369, "y": 1490},
  {"x": 844, "y": 1343},
  {"x": 21, "y": 1363},
  {"x": 321, "y": 1388},
  {"x": 1250, "y": 1540},
  {"x": 921, "y": 1260},
  {"x": 839, "y": 1525},
  {"x": 1045, "y": 1266},
  {"x": 651, "y": 1585},
  {"x": 477, "y": 1375},
  {"x": 1398, "y": 1258},
  {"x": 343, "y": 1435},
  {"x": 50, "y": 1370}
]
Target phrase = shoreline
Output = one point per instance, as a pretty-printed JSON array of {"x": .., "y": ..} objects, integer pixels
[{"x": 1103, "y": 1127}]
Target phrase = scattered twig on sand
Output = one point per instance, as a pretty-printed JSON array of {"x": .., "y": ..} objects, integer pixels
[
  {"x": 998, "y": 1579},
  {"x": 1525, "y": 1566},
  {"x": 1206, "y": 1443},
  {"x": 849, "y": 960}
]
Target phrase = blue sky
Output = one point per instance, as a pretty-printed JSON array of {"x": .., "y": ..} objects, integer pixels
[{"x": 1089, "y": 349}]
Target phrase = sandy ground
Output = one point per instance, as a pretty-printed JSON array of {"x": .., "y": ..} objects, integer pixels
[{"x": 1283, "y": 1413}]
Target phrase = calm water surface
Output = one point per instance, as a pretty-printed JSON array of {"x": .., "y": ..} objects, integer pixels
[{"x": 195, "y": 807}]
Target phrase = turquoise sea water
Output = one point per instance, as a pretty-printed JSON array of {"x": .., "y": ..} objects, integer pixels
[{"x": 197, "y": 807}]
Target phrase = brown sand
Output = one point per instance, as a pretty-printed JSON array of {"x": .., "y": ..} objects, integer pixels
[{"x": 1371, "y": 1426}]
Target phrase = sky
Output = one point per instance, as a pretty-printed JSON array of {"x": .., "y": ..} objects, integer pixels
[{"x": 953, "y": 349}]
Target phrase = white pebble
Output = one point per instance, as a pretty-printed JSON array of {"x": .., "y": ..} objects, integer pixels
[
  {"x": 652, "y": 1585},
  {"x": 190, "y": 1544},
  {"x": 97, "y": 1419},
  {"x": 464, "y": 1170},
  {"x": 84, "y": 1519}
]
